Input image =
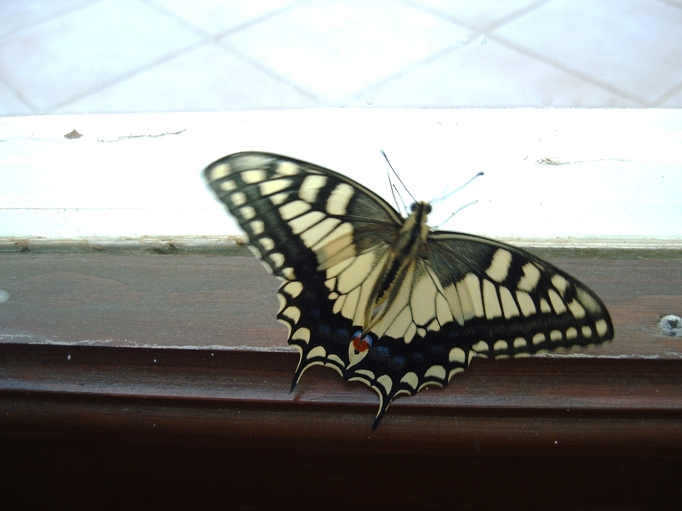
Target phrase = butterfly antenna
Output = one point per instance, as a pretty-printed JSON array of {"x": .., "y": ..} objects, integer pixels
[
  {"x": 453, "y": 214},
  {"x": 405, "y": 209},
  {"x": 457, "y": 190},
  {"x": 393, "y": 189},
  {"x": 396, "y": 175}
]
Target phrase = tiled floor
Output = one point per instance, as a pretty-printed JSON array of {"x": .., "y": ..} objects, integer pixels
[{"x": 103, "y": 56}]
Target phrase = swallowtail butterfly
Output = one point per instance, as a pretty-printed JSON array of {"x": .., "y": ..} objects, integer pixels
[{"x": 383, "y": 299}]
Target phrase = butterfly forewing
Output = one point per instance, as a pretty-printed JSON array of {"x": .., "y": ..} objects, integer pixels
[
  {"x": 291, "y": 210},
  {"x": 380, "y": 299},
  {"x": 512, "y": 303}
]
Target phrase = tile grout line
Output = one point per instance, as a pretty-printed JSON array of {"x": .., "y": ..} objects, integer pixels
[
  {"x": 410, "y": 69},
  {"x": 218, "y": 40},
  {"x": 17, "y": 94},
  {"x": 465, "y": 24},
  {"x": 134, "y": 72},
  {"x": 572, "y": 72},
  {"x": 170, "y": 15},
  {"x": 259, "y": 65},
  {"x": 208, "y": 39},
  {"x": 667, "y": 95},
  {"x": 485, "y": 33},
  {"x": 670, "y": 3},
  {"x": 229, "y": 31},
  {"x": 55, "y": 15},
  {"x": 260, "y": 19}
]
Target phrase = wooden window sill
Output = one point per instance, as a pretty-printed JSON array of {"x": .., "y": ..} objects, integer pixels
[{"x": 163, "y": 379}]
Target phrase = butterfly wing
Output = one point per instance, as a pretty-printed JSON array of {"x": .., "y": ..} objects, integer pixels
[
  {"x": 322, "y": 233},
  {"x": 471, "y": 296},
  {"x": 512, "y": 303}
]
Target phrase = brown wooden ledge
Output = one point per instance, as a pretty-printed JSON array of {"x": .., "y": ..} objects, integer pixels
[{"x": 91, "y": 419}]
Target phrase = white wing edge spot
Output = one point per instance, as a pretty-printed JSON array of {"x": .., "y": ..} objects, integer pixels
[
  {"x": 480, "y": 346},
  {"x": 539, "y": 338},
  {"x": 258, "y": 227},
  {"x": 411, "y": 379},
  {"x": 238, "y": 198},
  {"x": 293, "y": 288},
  {"x": 386, "y": 382},
  {"x": 253, "y": 176},
  {"x": 247, "y": 212},
  {"x": 228, "y": 186},
  {"x": 500, "y": 345},
  {"x": 267, "y": 243},
  {"x": 277, "y": 258},
  {"x": 220, "y": 171},
  {"x": 455, "y": 371},
  {"x": 287, "y": 168},
  {"x": 457, "y": 355},
  {"x": 366, "y": 373},
  {"x": 302, "y": 334},
  {"x": 317, "y": 351},
  {"x": 293, "y": 313},
  {"x": 272, "y": 186},
  {"x": 435, "y": 371},
  {"x": 335, "y": 358}
]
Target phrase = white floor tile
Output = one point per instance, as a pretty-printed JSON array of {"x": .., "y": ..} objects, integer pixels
[
  {"x": 63, "y": 59},
  {"x": 674, "y": 101},
  {"x": 154, "y": 55},
  {"x": 213, "y": 16},
  {"x": 634, "y": 46},
  {"x": 480, "y": 14},
  {"x": 490, "y": 75},
  {"x": 208, "y": 78},
  {"x": 10, "y": 104},
  {"x": 336, "y": 49},
  {"x": 18, "y": 14}
]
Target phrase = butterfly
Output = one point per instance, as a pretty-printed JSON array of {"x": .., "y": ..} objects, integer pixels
[{"x": 385, "y": 300}]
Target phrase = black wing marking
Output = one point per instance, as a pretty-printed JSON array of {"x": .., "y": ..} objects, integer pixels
[
  {"x": 528, "y": 305},
  {"x": 289, "y": 208}
]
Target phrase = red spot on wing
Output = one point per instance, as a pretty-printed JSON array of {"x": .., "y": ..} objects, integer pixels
[{"x": 361, "y": 344}]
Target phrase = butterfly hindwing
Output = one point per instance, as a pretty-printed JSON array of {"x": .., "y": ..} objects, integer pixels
[{"x": 383, "y": 300}]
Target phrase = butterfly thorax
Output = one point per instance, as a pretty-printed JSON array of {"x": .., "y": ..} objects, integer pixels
[{"x": 409, "y": 244}]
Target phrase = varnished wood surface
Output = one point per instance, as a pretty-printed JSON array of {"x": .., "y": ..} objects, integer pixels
[
  {"x": 109, "y": 427},
  {"x": 216, "y": 301},
  {"x": 89, "y": 423}
]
